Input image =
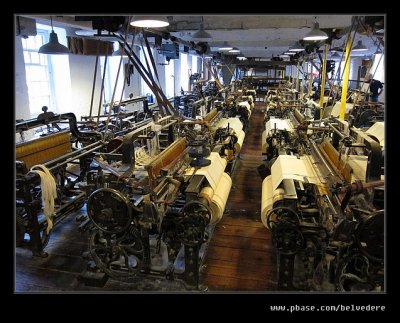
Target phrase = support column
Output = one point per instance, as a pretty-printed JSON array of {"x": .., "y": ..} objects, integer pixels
[
  {"x": 345, "y": 79},
  {"x": 321, "y": 97},
  {"x": 311, "y": 81}
]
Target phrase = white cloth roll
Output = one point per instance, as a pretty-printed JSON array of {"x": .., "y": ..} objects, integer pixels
[
  {"x": 213, "y": 171},
  {"x": 378, "y": 130},
  {"x": 266, "y": 199},
  {"x": 207, "y": 193},
  {"x": 239, "y": 143},
  {"x": 264, "y": 142},
  {"x": 234, "y": 123},
  {"x": 281, "y": 124},
  {"x": 246, "y": 105},
  {"x": 220, "y": 198},
  {"x": 291, "y": 167}
]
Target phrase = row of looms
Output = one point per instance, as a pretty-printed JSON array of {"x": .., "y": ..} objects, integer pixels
[
  {"x": 186, "y": 193},
  {"x": 153, "y": 188},
  {"x": 322, "y": 196}
]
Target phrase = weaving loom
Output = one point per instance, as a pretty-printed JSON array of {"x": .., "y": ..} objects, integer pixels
[{"x": 43, "y": 149}]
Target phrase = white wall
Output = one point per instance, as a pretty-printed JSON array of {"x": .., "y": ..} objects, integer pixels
[
  {"x": 355, "y": 64},
  {"x": 82, "y": 71},
  {"x": 177, "y": 76},
  {"x": 184, "y": 71},
  {"x": 170, "y": 79},
  {"x": 21, "y": 89},
  {"x": 206, "y": 72},
  {"x": 62, "y": 86},
  {"x": 134, "y": 86},
  {"x": 77, "y": 99},
  {"x": 378, "y": 71},
  {"x": 160, "y": 59}
]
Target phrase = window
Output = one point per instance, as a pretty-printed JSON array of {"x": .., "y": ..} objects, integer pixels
[
  {"x": 145, "y": 89},
  {"x": 194, "y": 64},
  {"x": 111, "y": 76},
  {"x": 170, "y": 79},
  {"x": 378, "y": 67},
  {"x": 37, "y": 73},
  {"x": 184, "y": 72},
  {"x": 47, "y": 76}
]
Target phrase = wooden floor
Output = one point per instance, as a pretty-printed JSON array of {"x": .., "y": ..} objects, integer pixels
[{"x": 239, "y": 257}]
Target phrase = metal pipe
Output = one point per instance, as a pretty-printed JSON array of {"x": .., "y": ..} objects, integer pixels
[
  {"x": 335, "y": 130},
  {"x": 102, "y": 84},
  {"x": 110, "y": 169},
  {"x": 70, "y": 159},
  {"x": 311, "y": 81},
  {"x": 153, "y": 64},
  {"x": 127, "y": 73},
  {"x": 321, "y": 97},
  {"x": 112, "y": 98},
  {"x": 147, "y": 77},
  {"x": 94, "y": 84},
  {"x": 135, "y": 126},
  {"x": 72, "y": 153},
  {"x": 26, "y": 125},
  {"x": 345, "y": 79},
  {"x": 303, "y": 80},
  {"x": 358, "y": 186}
]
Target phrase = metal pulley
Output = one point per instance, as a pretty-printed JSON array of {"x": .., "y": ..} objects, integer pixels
[
  {"x": 196, "y": 216},
  {"x": 109, "y": 210}
]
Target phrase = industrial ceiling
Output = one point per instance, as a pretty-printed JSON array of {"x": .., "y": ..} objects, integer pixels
[{"x": 259, "y": 36}]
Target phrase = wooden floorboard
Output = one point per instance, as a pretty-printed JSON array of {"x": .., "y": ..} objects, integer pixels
[
  {"x": 242, "y": 220},
  {"x": 241, "y": 231},
  {"x": 240, "y": 242},
  {"x": 230, "y": 284},
  {"x": 240, "y": 256}
]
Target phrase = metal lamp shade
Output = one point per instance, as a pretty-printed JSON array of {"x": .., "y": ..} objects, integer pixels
[
  {"x": 53, "y": 46},
  {"x": 316, "y": 33},
  {"x": 201, "y": 34}
]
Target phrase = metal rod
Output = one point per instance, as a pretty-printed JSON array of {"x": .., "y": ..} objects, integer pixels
[
  {"x": 321, "y": 157},
  {"x": 150, "y": 75},
  {"x": 126, "y": 70},
  {"x": 102, "y": 85},
  {"x": 135, "y": 126},
  {"x": 147, "y": 78},
  {"x": 94, "y": 83},
  {"x": 72, "y": 153},
  {"x": 70, "y": 159},
  {"x": 112, "y": 98},
  {"x": 323, "y": 80},
  {"x": 311, "y": 81},
  {"x": 335, "y": 130},
  {"x": 303, "y": 80},
  {"x": 346, "y": 79},
  {"x": 151, "y": 57},
  {"x": 110, "y": 169}
]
